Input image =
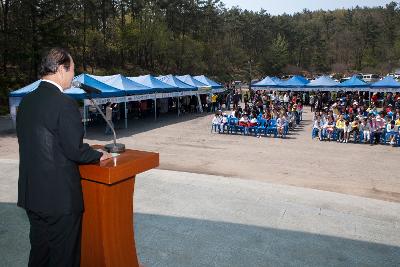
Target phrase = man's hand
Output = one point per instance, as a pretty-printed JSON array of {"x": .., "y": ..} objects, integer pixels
[{"x": 105, "y": 155}]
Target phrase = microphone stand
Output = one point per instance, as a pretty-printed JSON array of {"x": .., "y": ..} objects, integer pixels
[{"x": 114, "y": 147}]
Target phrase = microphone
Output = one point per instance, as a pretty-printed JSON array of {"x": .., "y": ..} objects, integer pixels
[
  {"x": 87, "y": 88},
  {"x": 113, "y": 147}
]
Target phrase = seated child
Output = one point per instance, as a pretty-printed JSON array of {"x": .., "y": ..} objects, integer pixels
[
  {"x": 216, "y": 122},
  {"x": 365, "y": 128},
  {"x": 346, "y": 131}
]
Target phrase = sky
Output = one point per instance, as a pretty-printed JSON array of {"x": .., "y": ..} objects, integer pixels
[{"x": 279, "y": 7}]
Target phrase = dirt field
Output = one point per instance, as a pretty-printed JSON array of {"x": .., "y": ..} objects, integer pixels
[{"x": 186, "y": 144}]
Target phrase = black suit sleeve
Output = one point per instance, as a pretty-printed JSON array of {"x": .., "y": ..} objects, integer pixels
[{"x": 71, "y": 135}]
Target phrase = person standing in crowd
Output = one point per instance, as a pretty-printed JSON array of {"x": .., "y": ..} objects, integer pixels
[
  {"x": 312, "y": 102},
  {"x": 214, "y": 102},
  {"x": 236, "y": 97},
  {"x": 50, "y": 137},
  {"x": 228, "y": 101},
  {"x": 286, "y": 99}
]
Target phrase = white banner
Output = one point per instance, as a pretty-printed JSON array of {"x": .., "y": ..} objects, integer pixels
[
  {"x": 130, "y": 98},
  {"x": 139, "y": 97},
  {"x": 101, "y": 101},
  {"x": 218, "y": 90}
]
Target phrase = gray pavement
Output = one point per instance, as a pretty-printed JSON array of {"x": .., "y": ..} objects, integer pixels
[{"x": 185, "y": 219}]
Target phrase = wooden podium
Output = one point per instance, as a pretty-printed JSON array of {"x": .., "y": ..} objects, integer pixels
[{"x": 107, "y": 227}]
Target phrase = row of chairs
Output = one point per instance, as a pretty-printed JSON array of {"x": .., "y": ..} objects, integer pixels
[
  {"x": 263, "y": 127},
  {"x": 385, "y": 136}
]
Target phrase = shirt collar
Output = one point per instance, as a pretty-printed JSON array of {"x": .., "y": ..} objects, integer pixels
[{"x": 55, "y": 84}]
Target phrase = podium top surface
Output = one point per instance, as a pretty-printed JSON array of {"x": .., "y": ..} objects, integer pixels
[{"x": 121, "y": 167}]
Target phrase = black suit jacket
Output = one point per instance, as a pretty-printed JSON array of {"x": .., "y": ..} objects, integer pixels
[{"x": 50, "y": 137}]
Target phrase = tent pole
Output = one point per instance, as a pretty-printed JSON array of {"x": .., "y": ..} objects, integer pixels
[
  {"x": 200, "y": 107},
  {"x": 178, "y": 106},
  {"x": 126, "y": 116},
  {"x": 155, "y": 106},
  {"x": 369, "y": 93}
]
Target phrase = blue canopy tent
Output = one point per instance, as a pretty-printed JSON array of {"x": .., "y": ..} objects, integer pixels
[
  {"x": 16, "y": 96},
  {"x": 172, "y": 80},
  {"x": 122, "y": 83},
  {"x": 106, "y": 90},
  {"x": 296, "y": 83},
  {"x": 387, "y": 84},
  {"x": 267, "y": 82},
  {"x": 201, "y": 87},
  {"x": 77, "y": 93},
  {"x": 25, "y": 90},
  {"x": 276, "y": 79},
  {"x": 323, "y": 83},
  {"x": 207, "y": 81},
  {"x": 354, "y": 84},
  {"x": 193, "y": 82},
  {"x": 155, "y": 84}
]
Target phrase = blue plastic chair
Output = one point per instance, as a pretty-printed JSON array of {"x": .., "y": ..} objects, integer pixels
[
  {"x": 314, "y": 133},
  {"x": 387, "y": 136},
  {"x": 262, "y": 127},
  {"x": 254, "y": 129},
  {"x": 232, "y": 123},
  {"x": 272, "y": 128},
  {"x": 286, "y": 129}
]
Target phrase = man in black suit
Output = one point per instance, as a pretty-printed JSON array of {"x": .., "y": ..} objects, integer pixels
[{"x": 50, "y": 137}]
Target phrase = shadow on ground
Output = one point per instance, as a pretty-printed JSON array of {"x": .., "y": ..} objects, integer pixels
[
  {"x": 135, "y": 126},
  {"x": 175, "y": 241}
]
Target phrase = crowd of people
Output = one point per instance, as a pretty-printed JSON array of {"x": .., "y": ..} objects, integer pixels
[
  {"x": 350, "y": 117},
  {"x": 263, "y": 112},
  {"x": 340, "y": 116}
]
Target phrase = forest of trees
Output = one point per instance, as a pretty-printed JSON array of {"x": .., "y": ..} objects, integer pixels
[{"x": 135, "y": 37}]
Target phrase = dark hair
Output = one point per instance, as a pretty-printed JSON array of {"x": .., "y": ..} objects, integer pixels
[{"x": 52, "y": 59}]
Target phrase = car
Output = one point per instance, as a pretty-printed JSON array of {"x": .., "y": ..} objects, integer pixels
[{"x": 370, "y": 77}]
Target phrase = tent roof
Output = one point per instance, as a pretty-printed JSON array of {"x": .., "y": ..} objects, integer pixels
[
  {"x": 77, "y": 93},
  {"x": 387, "y": 82},
  {"x": 267, "y": 82},
  {"x": 122, "y": 83},
  {"x": 276, "y": 79},
  {"x": 26, "y": 89},
  {"x": 106, "y": 90},
  {"x": 295, "y": 81},
  {"x": 323, "y": 81},
  {"x": 173, "y": 81},
  {"x": 207, "y": 81},
  {"x": 152, "y": 82},
  {"x": 353, "y": 82},
  {"x": 191, "y": 81}
]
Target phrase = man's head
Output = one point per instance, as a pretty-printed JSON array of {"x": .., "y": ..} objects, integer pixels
[{"x": 57, "y": 65}]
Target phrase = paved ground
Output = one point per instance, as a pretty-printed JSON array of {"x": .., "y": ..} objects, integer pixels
[
  {"x": 186, "y": 144},
  {"x": 249, "y": 213},
  {"x": 185, "y": 219}
]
